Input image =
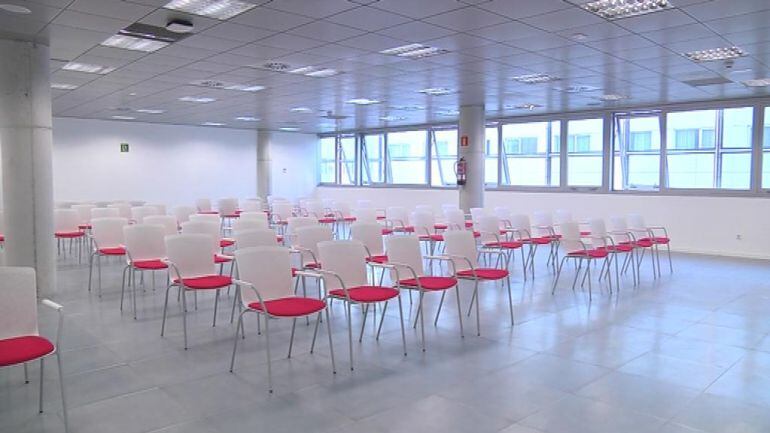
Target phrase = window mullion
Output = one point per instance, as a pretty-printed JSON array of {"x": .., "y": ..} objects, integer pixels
[{"x": 718, "y": 142}]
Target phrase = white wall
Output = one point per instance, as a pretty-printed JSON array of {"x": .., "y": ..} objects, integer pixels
[
  {"x": 696, "y": 224},
  {"x": 293, "y": 163},
  {"x": 166, "y": 164}
]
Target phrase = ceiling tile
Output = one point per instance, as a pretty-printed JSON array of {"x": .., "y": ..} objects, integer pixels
[
  {"x": 369, "y": 19},
  {"x": 315, "y": 9},
  {"x": 466, "y": 19},
  {"x": 326, "y": 31},
  {"x": 270, "y": 19}
]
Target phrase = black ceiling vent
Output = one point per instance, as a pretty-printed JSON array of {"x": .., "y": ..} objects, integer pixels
[
  {"x": 276, "y": 66},
  {"x": 146, "y": 31},
  {"x": 331, "y": 116},
  {"x": 707, "y": 81}
]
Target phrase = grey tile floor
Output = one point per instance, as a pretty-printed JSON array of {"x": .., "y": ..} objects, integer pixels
[{"x": 689, "y": 352}]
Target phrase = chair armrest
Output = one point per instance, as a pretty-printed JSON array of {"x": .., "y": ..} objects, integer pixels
[
  {"x": 465, "y": 259},
  {"x": 51, "y": 304},
  {"x": 333, "y": 274},
  {"x": 445, "y": 258},
  {"x": 60, "y": 310}
]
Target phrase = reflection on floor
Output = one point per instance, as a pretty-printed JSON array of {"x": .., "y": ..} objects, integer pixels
[{"x": 686, "y": 353}]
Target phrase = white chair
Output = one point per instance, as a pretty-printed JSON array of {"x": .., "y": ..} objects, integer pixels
[
  {"x": 182, "y": 213},
  {"x": 623, "y": 235},
  {"x": 160, "y": 209},
  {"x": 370, "y": 235},
  {"x": 476, "y": 213},
  {"x": 658, "y": 235},
  {"x": 84, "y": 214},
  {"x": 281, "y": 212},
  {"x": 423, "y": 224},
  {"x": 211, "y": 229},
  {"x": 104, "y": 212},
  {"x": 139, "y": 212},
  {"x": 601, "y": 239},
  {"x": 521, "y": 231},
  {"x": 206, "y": 217},
  {"x": 345, "y": 279},
  {"x": 344, "y": 217},
  {"x": 249, "y": 224},
  {"x": 228, "y": 211},
  {"x": 492, "y": 237},
  {"x": 145, "y": 251},
  {"x": 317, "y": 210},
  {"x": 203, "y": 205},
  {"x": 504, "y": 214},
  {"x": 124, "y": 209},
  {"x": 20, "y": 340},
  {"x": 455, "y": 219},
  {"x": 67, "y": 228},
  {"x": 189, "y": 261},
  {"x": 168, "y": 222},
  {"x": 461, "y": 247},
  {"x": 577, "y": 250},
  {"x": 293, "y": 223},
  {"x": 265, "y": 288},
  {"x": 252, "y": 205},
  {"x": 407, "y": 272},
  {"x": 108, "y": 241},
  {"x": 365, "y": 214},
  {"x": 306, "y": 241},
  {"x": 397, "y": 218},
  {"x": 254, "y": 238},
  {"x": 259, "y": 216}
]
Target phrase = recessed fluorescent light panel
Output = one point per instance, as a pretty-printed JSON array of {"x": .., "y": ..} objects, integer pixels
[
  {"x": 123, "y": 118},
  {"x": 219, "y": 9},
  {"x": 212, "y": 84},
  {"x": 133, "y": 43},
  {"x": 213, "y": 124},
  {"x": 578, "y": 88},
  {"x": 615, "y": 9},
  {"x": 62, "y": 86},
  {"x": 16, "y": 9},
  {"x": 610, "y": 97},
  {"x": 88, "y": 68},
  {"x": 196, "y": 99},
  {"x": 535, "y": 78},
  {"x": 312, "y": 71},
  {"x": 437, "y": 91},
  {"x": 527, "y": 106},
  {"x": 362, "y": 101},
  {"x": 392, "y": 118},
  {"x": 289, "y": 128},
  {"x": 247, "y": 119},
  {"x": 301, "y": 110},
  {"x": 150, "y": 111},
  {"x": 715, "y": 54},
  {"x": 448, "y": 113},
  {"x": 407, "y": 107},
  {"x": 759, "y": 82},
  {"x": 414, "y": 51}
]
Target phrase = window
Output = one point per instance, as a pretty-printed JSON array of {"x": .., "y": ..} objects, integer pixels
[
  {"x": 490, "y": 156},
  {"x": 444, "y": 156},
  {"x": 530, "y": 154},
  {"x": 347, "y": 157},
  {"x": 407, "y": 157},
  {"x": 328, "y": 162},
  {"x": 766, "y": 151},
  {"x": 710, "y": 148},
  {"x": 373, "y": 167},
  {"x": 585, "y": 144},
  {"x": 636, "y": 152}
]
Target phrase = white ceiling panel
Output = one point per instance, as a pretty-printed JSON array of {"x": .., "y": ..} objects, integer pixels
[
  {"x": 469, "y": 18},
  {"x": 369, "y": 19},
  {"x": 326, "y": 31}
]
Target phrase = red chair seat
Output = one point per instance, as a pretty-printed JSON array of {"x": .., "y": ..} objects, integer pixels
[
  {"x": 221, "y": 259},
  {"x": 114, "y": 251},
  {"x": 279, "y": 239},
  {"x": 327, "y": 220},
  {"x": 149, "y": 264},
  {"x": 656, "y": 240},
  {"x": 407, "y": 229},
  {"x": 642, "y": 243},
  {"x": 206, "y": 282},
  {"x": 367, "y": 293},
  {"x": 380, "y": 217},
  {"x": 433, "y": 237},
  {"x": 224, "y": 243},
  {"x": 68, "y": 235},
  {"x": 622, "y": 248},
  {"x": 440, "y": 226},
  {"x": 468, "y": 224},
  {"x": 349, "y": 219},
  {"x": 2, "y": 238},
  {"x": 484, "y": 274},
  {"x": 593, "y": 254},
  {"x": 387, "y": 231},
  {"x": 234, "y": 215},
  {"x": 476, "y": 234},
  {"x": 504, "y": 244},
  {"x": 430, "y": 283},
  {"x": 27, "y": 348},
  {"x": 585, "y": 233},
  {"x": 312, "y": 265},
  {"x": 291, "y": 307},
  {"x": 377, "y": 259},
  {"x": 537, "y": 241}
]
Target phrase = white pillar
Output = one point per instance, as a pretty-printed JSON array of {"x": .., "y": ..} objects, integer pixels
[
  {"x": 472, "y": 126},
  {"x": 27, "y": 171},
  {"x": 263, "y": 164}
]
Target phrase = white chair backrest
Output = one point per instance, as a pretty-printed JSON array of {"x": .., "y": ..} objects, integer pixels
[
  {"x": 160, "y": 209},
  {"x": 636, "y": 222},
  {"x": 315, "y": 208},
  {"x": 293, "y": 223},
  {"x": 364, "y": 204},
  {"x": 124, "y": 209},
  {"x": 365, "y": 214},
  {"x": 309, "y": 237},
  {"x": 504, "y": 213},
  {"x": 282, "y": 210},
  {"x": 208, "y": 228},
  {"x": 138, "y": 213},
  {"x": 562, "y": 216},
  {"x": 252, "y": 205},
  {"x": 248, "y": 224},
  {"x": 489, "y": 227},
  {"x": 461, "y": 243},
  {"x": 18, "y": 302},
  {"x": 254, "y": 238},
  {"x": 543, "y": 223},
  {"x": 207, "y": 217},
  {"x": 258, "y": 216},
  {"x": 342, "y": 208},
  {"x": 476, "y": 213},
  {"x": 618, "y": 224},
  {"x": 168, "y": 222},
  {"x": 369, "y": 234},
  {"x": 449, "y": 206},
  {"x": 145, "y": 241},
  {"x": 104, "y": 212},
  {"x": 455, "y": 219},
  {"x": 405, "y": 250},
  {"x": 521, "y": 226},
  {"x": 598, "y": 232},
  {"x": 108, "y": 232},
  {"x": 346, "y": 258},
  {"x": 423, "y": 222},
  {"x": 398, "y": 215},
  {"x": 203, "y": 205},
  {"x": 570, "y": 238},
  {"x": 66, "y": 220},
  {"x": 84, "y": 212},
  {"x": 424, "y": 208},
  {"x": 182, "y": 213},
  {"x": 227, "y": 206},
  {"x": 268, "y": 269},
  {"x": 191, "y": 254}
]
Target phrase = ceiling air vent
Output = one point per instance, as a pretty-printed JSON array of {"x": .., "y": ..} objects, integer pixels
[
  {"x": 146, "y": 31},
  {"x": 276, "y": 66},
  {"x": 707, "y": 81}
]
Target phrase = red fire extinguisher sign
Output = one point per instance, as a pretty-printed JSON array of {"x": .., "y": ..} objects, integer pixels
[{"x": 464, "y": 141}]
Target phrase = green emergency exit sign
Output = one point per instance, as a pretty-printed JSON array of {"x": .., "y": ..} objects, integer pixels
[{"x": 124, "y": 147}]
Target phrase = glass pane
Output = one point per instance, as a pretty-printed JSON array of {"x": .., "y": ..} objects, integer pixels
[
  {"x": 327, "y": 151},
  {"x": 527, "y": 171},
  {"x": 348, "y": 161},
  {"x": 636, "y": 162},
  {"x": 737, "y": 127},
  {"x": 527, "y": 149},
  {"x": 691, "y": 170},
  {"x": 555, "y": 171},
  {"x": 766, "y": 132},
  {"x": 736, "y": 171},
  {"x": 372, "y": 167},
  {"x": 490, "y": 156},
  {"x": 584, "y": 148},
  {"x": 444, "y": 157},
  {"x": 643, "y": 171},
  {"x": 407, "y": 153},
  {"x": 766, "y": 170},
  {"x": 690, "y": 130}
]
